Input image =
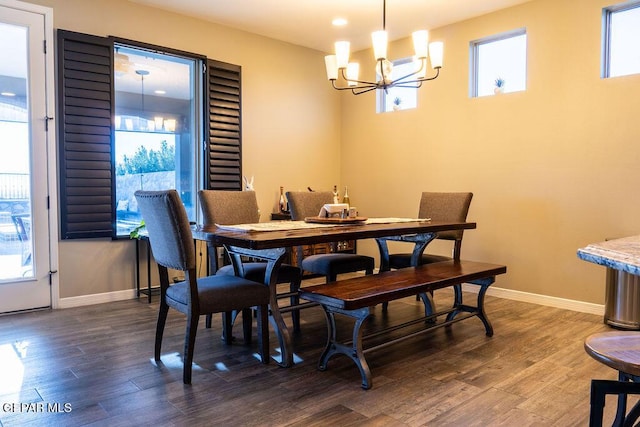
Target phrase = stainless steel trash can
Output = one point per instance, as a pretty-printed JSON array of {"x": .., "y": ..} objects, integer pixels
[{"x": 622, "y": 300}]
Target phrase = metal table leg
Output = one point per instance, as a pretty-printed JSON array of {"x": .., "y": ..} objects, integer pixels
[{"x": 274, "y": 258}]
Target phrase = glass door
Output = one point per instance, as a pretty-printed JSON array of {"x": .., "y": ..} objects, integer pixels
[{"x": 25, "y": 254}]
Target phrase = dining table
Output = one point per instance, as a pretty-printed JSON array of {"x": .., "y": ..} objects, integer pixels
[{"x": 268, "y": 241}]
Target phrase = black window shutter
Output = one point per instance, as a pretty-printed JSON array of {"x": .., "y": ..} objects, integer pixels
[
  {"x": 224, "y": 147},
  {"x": 85, "y": 108}
]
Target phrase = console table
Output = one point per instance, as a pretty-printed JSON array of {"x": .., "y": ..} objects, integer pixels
[
  {"x": 297, "y": 253},
  {"x": 150, "y": 290}
]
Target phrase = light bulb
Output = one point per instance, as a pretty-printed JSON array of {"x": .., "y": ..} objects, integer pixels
[
  {"x": 379, "y": 39},
  {"x": 342, "y": 54}
]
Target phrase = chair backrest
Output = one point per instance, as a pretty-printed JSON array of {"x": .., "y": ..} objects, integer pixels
[
  {"x": 303, "y": 204},
  {"x": 168, "y": 228},
  {"x": 446, "y": 207},
  {"x": 229, "y": 207}
]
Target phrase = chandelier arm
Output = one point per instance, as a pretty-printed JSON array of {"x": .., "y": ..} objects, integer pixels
[
  {"x": 360, "y": 82},
  {"x": 423, "y": 79},
  {"x": 365, "y": 86},
  {"x": 403, "y": 78},
  {"x": 422, "y": 66},
  {"x": 426, "y": 79},
  {"x": 364, "y": 90},
  {"x": 351, "y": 88},
  {"x": 415, "y": 84},
  {"x": 435, "y": 76}
]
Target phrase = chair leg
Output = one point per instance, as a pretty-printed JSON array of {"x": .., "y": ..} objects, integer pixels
[
  {"x": 622, "y": 402},
  {"x": 601, "y": 388},
  {"x": 597, "y": 404},
  {"x": 227, "y": 324},
  {"x": 294, "y": 300},
  {"x": 263, "y": 332},
  {"x": 162, "y": 320},
  {"x": 207, "y": 321},
  {"x": 189, "y": 346},
  {"x": 247, "y": 318}
]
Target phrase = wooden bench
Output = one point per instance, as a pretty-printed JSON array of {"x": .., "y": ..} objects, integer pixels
[{"x": 354, "y": 298}]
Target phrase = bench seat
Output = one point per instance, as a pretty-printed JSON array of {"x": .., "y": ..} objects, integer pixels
[{"x": 354, "y": 298}]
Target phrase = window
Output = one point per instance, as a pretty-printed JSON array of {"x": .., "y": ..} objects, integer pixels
[
  {"x": 398, "y": 98},
  {"x": 155, "y": 129},
  {"x": 96, "y": 113},
  {"x": 499, "y": 64},
  {"x": 621, "y": 32}
]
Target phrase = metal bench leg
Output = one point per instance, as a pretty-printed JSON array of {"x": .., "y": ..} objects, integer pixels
[
  {"x": 353, "y": 351},
  {"x": 478, "y": 310},
  {"x": 429, "y": 305}
]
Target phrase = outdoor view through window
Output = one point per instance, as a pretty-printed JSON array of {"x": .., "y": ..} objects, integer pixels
[
  {"x": 154, "y": 129},
  {"x": 15, "y": 190}
]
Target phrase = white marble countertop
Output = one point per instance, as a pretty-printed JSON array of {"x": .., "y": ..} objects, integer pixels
[{"x": 620, "y": 254}]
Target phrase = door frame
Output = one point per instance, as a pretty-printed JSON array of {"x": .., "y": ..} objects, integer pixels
[{"x": 51, "y": 144}]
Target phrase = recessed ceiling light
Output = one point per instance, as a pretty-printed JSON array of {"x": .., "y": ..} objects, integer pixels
[
  {"x": 339, "y": 22},
  {"x": 160, "y": 92},
  {"x": 7, "y": 94}
]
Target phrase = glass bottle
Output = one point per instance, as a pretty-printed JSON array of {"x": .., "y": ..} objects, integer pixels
[
  {"x": 345, "y": 198},
  {"x": 336, "y": 196}
]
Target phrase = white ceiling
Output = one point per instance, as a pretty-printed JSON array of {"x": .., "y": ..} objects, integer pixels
[
  {"x": 308, "y": 22},
  {"x": 302, "y": 22}
]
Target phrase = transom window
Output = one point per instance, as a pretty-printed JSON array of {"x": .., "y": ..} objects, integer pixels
[
  {"x": 621, "y": 32},
  {"x": 499, "y": 64},
  {"x": 398, "y": 98}
]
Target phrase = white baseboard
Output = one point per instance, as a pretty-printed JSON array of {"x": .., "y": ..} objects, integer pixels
[
  {"x": 96, "y": 298},
  {"x": 566, "y": 304}
]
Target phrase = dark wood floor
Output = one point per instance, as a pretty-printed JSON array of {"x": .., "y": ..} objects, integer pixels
[{"x": 99, "y": 360}]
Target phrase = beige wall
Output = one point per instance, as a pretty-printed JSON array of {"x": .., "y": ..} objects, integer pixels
[
  {"x": 552, "y": 168},
  {"x": 291, "y": 122}
]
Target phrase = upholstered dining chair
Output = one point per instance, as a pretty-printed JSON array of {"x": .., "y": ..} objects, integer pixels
[
  {"x": 619, "y": 350},
  {"x": 439, "y": 207},
  {"x": 304, "y": 204},
  {"x": 241, "y": 207},
  {"x": 172, "y": 246}
]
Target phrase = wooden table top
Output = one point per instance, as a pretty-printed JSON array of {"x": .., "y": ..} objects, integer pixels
[{"x": 289, "y": 238}]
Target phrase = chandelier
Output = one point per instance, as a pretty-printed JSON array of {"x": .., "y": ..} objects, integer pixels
[{"x": 339, "y": 64}]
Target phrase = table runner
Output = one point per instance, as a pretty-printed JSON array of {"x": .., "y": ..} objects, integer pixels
[{"x": 297, "y": 225}]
